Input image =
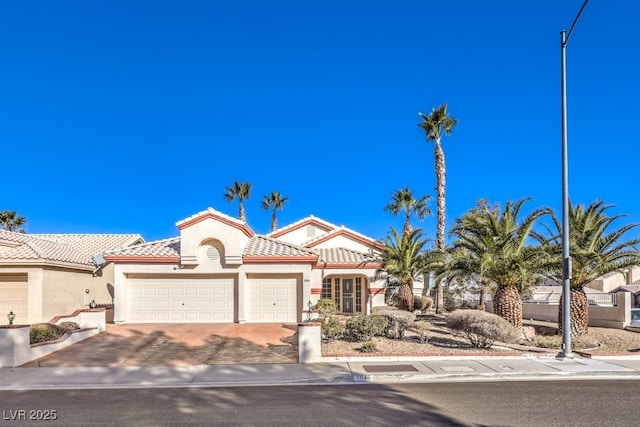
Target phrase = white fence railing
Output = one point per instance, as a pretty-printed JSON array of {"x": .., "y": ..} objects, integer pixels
[{"x": 553, "y": 298}]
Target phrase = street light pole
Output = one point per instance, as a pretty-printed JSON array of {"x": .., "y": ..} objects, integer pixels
[{"x": 566, "y": 257}]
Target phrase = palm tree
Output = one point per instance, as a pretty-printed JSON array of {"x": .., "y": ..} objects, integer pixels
[
  {"x": 11, "y": 221},
  {"x": 434, "y": 126},
  {"x": 402, "y": 260},
  {"x": 276, "y": 201},
  {"x": 402, "y": 200},
  {"x": 240, "y": 191},
  {"x": 595, "y": 250},
  {"x": 494, "y": 244}
]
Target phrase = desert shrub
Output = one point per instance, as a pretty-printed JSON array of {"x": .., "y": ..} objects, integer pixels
[
  {"x": 422, "y": 303},
  {"x": 480, "y": 328},
  {"x": 332, "y": 328},
  {"x": 382, "y": 308},
  {"x": 43, "y": 332},
  {"x": 368, "y": 347},
  {"x": 326, "y": 307},
  {"x": 363, "y": 328},
  {"x": 580, "y": 342},
  {"x": 422, "y": 330},
  {"x": 397, "y": 323}
]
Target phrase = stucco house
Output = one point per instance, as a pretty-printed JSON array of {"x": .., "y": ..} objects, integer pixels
[
  {"x": 47, "y": 275},
  {"x": 219, "y": 270}
]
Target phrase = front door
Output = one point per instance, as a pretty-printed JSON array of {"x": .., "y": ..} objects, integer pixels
[{"x": 347, "y": 296}]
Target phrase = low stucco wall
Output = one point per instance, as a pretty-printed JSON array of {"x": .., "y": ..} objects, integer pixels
[
  {"x": 615, "y": 317},
  {"x": 15, "y": 349},
  {"x": 309, "y": 342}
]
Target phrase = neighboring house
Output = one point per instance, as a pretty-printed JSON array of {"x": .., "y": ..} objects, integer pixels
[
  {"x": 219, "y": 270},
  {"x": 634, "y": 288},
  {"x": 47, "y": 275}
]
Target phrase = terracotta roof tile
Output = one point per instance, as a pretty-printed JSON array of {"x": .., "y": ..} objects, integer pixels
[
  {"x": 93, "y": 244},
  {"x": 268, "y": 247},
  {"x": 158, "y": 248},
  {"x": 346, "y": 256},
  {"x": 21, "y": 247}
]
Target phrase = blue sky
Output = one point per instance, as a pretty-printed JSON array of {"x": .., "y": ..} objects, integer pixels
[{"x": 127, "y": 116}]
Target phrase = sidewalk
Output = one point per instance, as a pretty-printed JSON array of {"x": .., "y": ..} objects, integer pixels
[{"x": 349, "y": 371}]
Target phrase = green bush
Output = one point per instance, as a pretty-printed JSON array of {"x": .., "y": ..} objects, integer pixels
[
  {"x": 332, "y": 328},
  {"x": 43, "y": 332},
  {"x": 326, "y": 307},
  {"x": 397, "y": 323},
  {"x": 363, "y": 328},
  {"x": 368, "y": 347},
  {"x": 482, "y": 329},
  {"x": 422, "y": 303}
]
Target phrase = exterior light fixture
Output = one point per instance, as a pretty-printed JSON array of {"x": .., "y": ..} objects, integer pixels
[
  {"x": 11, "y": 317},
  {"x": 310, "y": 307},
  {"x": 92, "y": 304}
]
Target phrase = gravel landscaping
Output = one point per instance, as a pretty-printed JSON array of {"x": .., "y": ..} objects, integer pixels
[{"x": 441, "y": 342}]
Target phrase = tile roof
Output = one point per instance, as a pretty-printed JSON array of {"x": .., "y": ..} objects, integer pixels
[
  {"x": 268, "y": 247},
  {"x": 93, "y": 244},
  {"x": 346, "y": 256},
  {"x": 305, "y": 220},
  {"x": 158, "y": 248},
  {"x": 20, "y": 248}
]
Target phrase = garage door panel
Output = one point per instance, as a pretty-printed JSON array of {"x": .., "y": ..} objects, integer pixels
[
  {"x": 14, "y": 297},
  {"x": 181, "y": 300},
  {"x": 272, "y": 300}
]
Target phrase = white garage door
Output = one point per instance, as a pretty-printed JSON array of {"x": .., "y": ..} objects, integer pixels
[
  {"x": 272, "y": 300},
  {"x": 157, "y": 300},
  {"x": 14, "y": 297}
]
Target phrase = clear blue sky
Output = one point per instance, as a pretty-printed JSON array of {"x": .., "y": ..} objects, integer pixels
[{"x": 127, "y": 116}]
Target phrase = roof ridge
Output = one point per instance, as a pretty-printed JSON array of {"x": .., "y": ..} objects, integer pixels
[
  {"x": 140, "y": 245},
  {"x": 213, "y": 212},
  {"x": 300, "y": 221}
]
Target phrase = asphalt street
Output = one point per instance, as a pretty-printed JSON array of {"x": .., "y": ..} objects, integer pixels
[{"x": 545, "y": 403}]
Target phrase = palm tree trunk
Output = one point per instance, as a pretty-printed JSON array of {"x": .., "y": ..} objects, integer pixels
[
  {"x": 579, "y": 312},
  {"x": 405, "y": 297},
  {"x": 241, "y": 213},
  {"x": 407, "y": 224},
  {"x": 481, "y": 298},
  {"x": 508, "y": 305},
  {"x": 440, "y": 229},
  {"x": 274, "y": 220}
]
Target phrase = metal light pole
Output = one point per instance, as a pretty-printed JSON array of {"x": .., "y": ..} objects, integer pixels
[{"x": 566, "y": 258}]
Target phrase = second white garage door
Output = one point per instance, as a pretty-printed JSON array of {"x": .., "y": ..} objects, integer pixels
[
  {"x": 273, "y": 300},
  {"x": 157, "y": 300}
]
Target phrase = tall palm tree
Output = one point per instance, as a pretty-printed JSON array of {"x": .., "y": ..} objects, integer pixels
[
  {"x": 402, "y": 200},
  {"x": 240, "y": 191},
  {"x": 595, "y": 250},
  {"x": 275, "y": 201},
  {"x": 11, "y": 221},
  {"x": 434, "y": 125},
  {"x": 402, "y": 260},
  {"x": 496, "y": 245}
]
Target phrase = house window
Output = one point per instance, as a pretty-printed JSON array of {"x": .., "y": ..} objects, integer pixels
[
  {"x": 326, "y": 288},
  {"x": 347, "y": 292}
]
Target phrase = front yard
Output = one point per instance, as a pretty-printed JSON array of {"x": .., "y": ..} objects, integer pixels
[{"x": 443, "y": 342}]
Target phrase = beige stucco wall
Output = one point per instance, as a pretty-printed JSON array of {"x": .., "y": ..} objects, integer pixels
[
  {"x": 63, "y": 292},
  {"x": 300, "y": 235},
  {"x": 233, "y": 239}
]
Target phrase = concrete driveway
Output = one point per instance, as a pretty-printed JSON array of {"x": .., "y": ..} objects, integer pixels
[{"x": 181, "y": 344}]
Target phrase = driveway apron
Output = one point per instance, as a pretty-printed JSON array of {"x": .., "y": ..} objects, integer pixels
[{"x": 181, "y": 344}]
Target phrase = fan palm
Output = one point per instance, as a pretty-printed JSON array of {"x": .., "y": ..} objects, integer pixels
[
  {"x": 402, "y": 259},
  {"x": 11, "y": 221},
  {"x": 595, "y": 250},
  {"x": 435, "y": 125},
  {"x": 494, "y": 244},
  {"x": 240, "y": 191},
  {"x": 403, "y": 201},
  {"x": 275, "y": 201}
]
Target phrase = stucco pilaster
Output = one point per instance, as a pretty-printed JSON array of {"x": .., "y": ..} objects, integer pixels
[
  {"x": 120, "y": 295},
  {"x": 242, "y": 297}
]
